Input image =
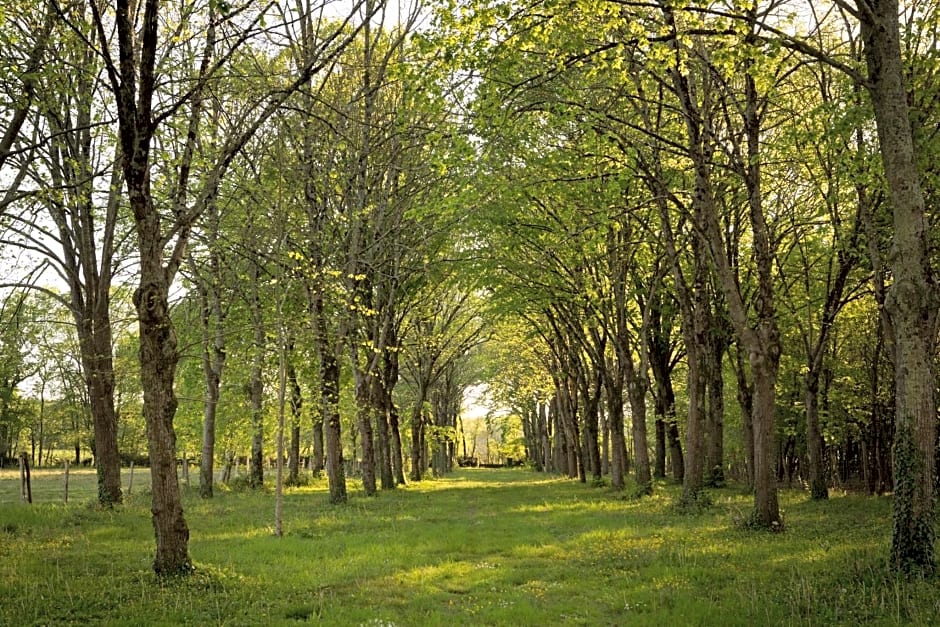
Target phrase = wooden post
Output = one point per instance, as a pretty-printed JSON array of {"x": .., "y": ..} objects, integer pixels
[
  {"x": 65, "y": 486},
  {"x": 185, "y": 469},
  {"x": 22, "y": 479},
  {"x": 130, "y": 481},
  {"x": 26, "y": 487}
]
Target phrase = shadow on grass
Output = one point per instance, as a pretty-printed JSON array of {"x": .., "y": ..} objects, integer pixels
[{"x": 481, "y": 547}]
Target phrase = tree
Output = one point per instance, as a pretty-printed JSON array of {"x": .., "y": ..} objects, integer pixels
[
  {"x": 14, "y": 369},
  {"x": 914, "y": 296},
  {"x": 25, "y": 42},
  {"x": 441, "y": 334},
  {"x": 76, "y": 230},
  {"x": 911, "y": 300},
  {"x": 208, "y": 278},
  {"x": 162, "y": 238}
]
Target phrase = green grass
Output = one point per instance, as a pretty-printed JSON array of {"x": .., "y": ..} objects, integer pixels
[
  {"x": 483, "y": 547},
  {"x": 48, "y": 485}
]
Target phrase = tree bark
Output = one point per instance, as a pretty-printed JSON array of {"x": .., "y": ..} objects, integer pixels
[
  {"x": 318, "y": 460},
  {"x": 86, "y": 235},
  {"x": 158, "y": 359},
  {"x": 745, "y": 397},
  {"x": 98, "y": 367},
  {"x": 382, "y": 401},
  {"x": 418, "y": 459},
  {"x": 618, "y": 446},
  {"x": 568, "y": 403},
  {"x": 718, "y": 340},
  {"x": 591, "y": 394},
  {"x": 659, "y": 454},
  {"x": 255, "y": 387},
  {"x": 296, "y": 408},
  {"x": 213, "y": 349},
  {"x": 390, "y": 373},
  {"x": 818, "y": 487},
  {"x": 545, "y": 436},
  {"x": 329, "y": 390},
  {"x": 364, "y": 414},
  {"x": 158, "y": 346},
  {"x": 637, "y": 384},
  {"x": 559, "y": 447}
]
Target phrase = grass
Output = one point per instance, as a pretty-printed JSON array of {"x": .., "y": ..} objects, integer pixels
[{"x": 481, "y": 547}]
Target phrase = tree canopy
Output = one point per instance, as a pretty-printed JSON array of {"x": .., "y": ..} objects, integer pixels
[{"x": 338, "y": 218}]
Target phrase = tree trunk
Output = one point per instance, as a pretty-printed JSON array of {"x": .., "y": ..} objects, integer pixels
[
  {"x": 382, "y": 401},
  {"x": 814, "y": 443},
  {"x": 213, "y": 362},
  {"x": 636, "y": 390},
  {"x": 695, "y": 307},
  {"x": 660, "y": 360},
  {"x": 207, "y": 463},
  {"x": 296, "y": 408},
  {"x": 212, "y": 317},
  {"x": 318, "y": 460},
  {"x": 329, "y": 389},
  {"x": 390, "y": 374},
  {"x": 255, "y": 387},
  {"x": 158, "y": 359},
  {"x": 398, "y": 463},
  {"x": 745, "y": 396},
  {"x": 567, "y": 407},
  {"x": 718, "y": 340},
  {"x": 559, "y": 447},
  {"x": 761, "y": 339},
  {"x": 418, "y": 458},
  {"x": 364, "y": 411},
  {"x": 618, "y": 447},
  {"x": 765, "y": 490},
  {"x": 545, "y": 435},
  {"x": 911, "y": 300},
  {"x": 99, "y": 379},
  {"x": 659, "y": 463},
  {"x": 592, "y": 453},
  {"x": 86, "y": 236},
  {"x": 694, "y": 479}
]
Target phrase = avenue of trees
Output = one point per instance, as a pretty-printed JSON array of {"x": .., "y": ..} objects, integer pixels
[{"x": 676, "y": 239}]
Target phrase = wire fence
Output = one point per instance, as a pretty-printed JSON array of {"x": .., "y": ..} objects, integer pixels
[{"x": 48, "y": 484}]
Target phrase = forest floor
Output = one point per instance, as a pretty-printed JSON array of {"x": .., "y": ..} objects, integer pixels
[{"x": 479, "y": 547}]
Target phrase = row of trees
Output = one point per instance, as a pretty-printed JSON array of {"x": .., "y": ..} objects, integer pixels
[
  {"x": 278, "y": 194},
  {"x": 654, "y": 201},
  {"x": 731, "y": 190}
]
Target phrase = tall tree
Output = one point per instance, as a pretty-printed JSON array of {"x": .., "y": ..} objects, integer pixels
[
  {"x": 77, "y": 190},
  {"x": 911, "y": 301},
  {"x": 914, "y": 296},
  {"x": 162, "y": 239}
]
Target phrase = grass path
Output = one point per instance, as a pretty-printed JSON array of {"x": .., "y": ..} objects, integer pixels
[{"x": 482, "y": 547}]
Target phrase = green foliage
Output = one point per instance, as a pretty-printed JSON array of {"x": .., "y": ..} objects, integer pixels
[
  {"x": 481, "y": 547},
  {"x": 697, "y": 502}
]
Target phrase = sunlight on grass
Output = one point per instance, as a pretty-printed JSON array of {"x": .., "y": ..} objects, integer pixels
[{"x": 484, "y": 547}]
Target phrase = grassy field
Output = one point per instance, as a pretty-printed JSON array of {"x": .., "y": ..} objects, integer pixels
[
  {"x": 48, "y": 485},
  {"x": 482, "y": 547}
]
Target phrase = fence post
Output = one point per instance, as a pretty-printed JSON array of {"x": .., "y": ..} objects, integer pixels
[
  {"x": 26, "y": 488},
  {"x": 65, "y": 493},
  {"x": 130, "y": 482}
]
